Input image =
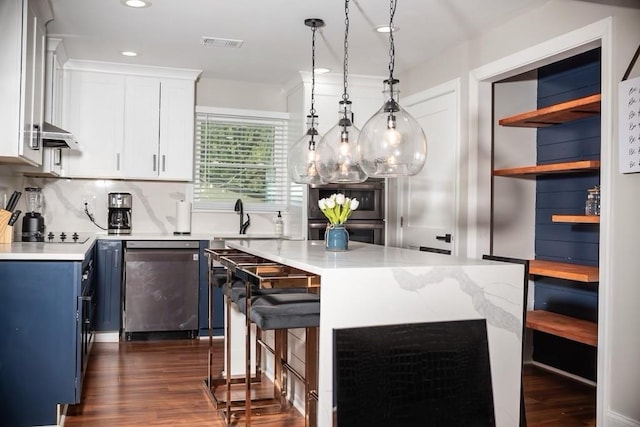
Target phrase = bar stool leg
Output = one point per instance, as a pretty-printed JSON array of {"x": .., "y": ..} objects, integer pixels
[
  {"x": 227, "y": 364},
  {"x": 247, "y": 359},
  {"x": 311, "y": 377},
  {"x": 280, "y": 357}
]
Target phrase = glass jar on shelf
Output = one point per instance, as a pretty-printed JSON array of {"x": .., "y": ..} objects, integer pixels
[{"x": 592, "y": 205}]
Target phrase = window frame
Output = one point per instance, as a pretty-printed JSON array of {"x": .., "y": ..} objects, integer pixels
[{"x": 259, "y": 117}]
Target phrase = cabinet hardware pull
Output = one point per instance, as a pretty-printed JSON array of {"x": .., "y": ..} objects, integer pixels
[
  {"x": 34, "y": 141},
  {"x": 118, "y": 161},
  {"x": 57, "y": 157},
  {"x": 446, "y": 238},
  {"x": 154, "y": 162},
  {"x": 163, "y": 162}
]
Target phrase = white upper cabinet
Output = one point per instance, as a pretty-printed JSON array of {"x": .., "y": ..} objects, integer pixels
[
  {"x": 22, "y": 46},
  {"x": 94, "y": 106},
  {"x": 130, "y": 122},
  {"x": 142, "y": 127},
  {"x": 177, "y": 124},
  {"x": 159, "y": 127}
]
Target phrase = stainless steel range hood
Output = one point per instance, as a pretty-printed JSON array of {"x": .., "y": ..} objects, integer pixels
[{"x": 53, "y": 136}]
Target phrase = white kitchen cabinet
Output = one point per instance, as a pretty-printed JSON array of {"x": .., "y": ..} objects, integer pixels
[
  {"x": 131, "y": 122},
  {"x": 94, "y": 109},
  {"x": 22, "y": 46},
  {"x": 159, "y": 128}
]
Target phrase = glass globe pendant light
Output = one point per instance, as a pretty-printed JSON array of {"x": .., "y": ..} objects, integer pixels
[
  {"x": 302, "y": 156},
  {"x": 392, "y": 143},
  {"x": 337, "y": 159}
]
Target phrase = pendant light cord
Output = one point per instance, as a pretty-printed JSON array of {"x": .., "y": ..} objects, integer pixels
[
  {"x": 312, "y": 111},
  {"x": 345, "y": 95},
  {"x": 392, "y": 48}
]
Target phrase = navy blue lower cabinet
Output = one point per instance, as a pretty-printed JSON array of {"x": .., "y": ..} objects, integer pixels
[
  {"x": 41, "y": 330},
  {"x": 109, "y": 285},
  {"x": 203, "y": 298}
]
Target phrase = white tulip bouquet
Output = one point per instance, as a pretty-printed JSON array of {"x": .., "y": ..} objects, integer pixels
[{"x": 337, "y": 208}]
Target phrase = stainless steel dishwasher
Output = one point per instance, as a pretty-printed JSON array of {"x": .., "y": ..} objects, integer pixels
[{"x": 160, "y": 298}]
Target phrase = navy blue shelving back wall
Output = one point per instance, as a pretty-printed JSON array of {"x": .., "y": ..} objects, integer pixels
[{"x": 573, "y": 78}]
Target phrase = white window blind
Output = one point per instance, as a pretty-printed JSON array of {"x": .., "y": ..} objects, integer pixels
[{"x": 241, "y": 154}]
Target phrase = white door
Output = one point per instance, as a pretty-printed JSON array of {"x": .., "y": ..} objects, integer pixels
[{"x": 428, "y": 214}]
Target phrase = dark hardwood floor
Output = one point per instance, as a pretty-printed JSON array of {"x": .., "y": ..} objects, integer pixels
[{"x": 159, "y": 383}]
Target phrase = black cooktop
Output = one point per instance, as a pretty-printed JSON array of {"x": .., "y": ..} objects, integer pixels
[{"x": 65, "y": 237}]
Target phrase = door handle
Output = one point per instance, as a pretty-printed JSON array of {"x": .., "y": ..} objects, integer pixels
[{"x": 446, "y": 238}]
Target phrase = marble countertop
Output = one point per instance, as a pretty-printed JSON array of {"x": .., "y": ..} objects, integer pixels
[
  {"x": 40, "y": 251},
  {"x": 77, "y": 251},
  {"x": 311, "y": 256}
]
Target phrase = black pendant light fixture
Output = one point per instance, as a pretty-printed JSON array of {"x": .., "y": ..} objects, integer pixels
[
  {"x": 302, "y": 156},
  {"x": 337, "y": 159},
  {"x": 392, "y": 143}
]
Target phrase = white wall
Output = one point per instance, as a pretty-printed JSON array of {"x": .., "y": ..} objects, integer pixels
[
  {"x": 237, "y": 94},
  {"x": 619, "y": 371}
]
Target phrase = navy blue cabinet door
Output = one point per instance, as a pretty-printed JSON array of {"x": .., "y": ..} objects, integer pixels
[
  {"x": 109, "y": 285},
  {"x": 218, "y": 309},
  {"x": 40, "y": 334}
]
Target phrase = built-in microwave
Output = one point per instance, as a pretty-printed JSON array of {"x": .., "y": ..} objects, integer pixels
[{"x": 370, "y": 194}]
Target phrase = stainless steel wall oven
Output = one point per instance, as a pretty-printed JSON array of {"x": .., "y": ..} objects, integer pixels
[{"x": 366, "y": 224}]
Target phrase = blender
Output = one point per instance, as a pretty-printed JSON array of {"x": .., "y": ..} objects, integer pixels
[{"x": 33, "y": 221}]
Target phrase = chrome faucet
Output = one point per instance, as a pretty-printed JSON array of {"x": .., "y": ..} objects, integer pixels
[{"x": 239, "y": 208}]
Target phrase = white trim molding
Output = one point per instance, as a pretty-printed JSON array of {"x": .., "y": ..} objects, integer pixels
[{"x": 599, "y": 33}]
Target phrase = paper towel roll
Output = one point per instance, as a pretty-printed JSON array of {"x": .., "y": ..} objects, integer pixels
[{"x": 183, "y": 217}]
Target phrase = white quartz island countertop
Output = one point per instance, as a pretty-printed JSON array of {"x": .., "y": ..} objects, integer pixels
[{"x": 371, "y": 285}]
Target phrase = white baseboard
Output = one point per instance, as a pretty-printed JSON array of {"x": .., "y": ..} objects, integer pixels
[
  {"x": 115, "y": 337},
  {"x": 563, "y": 373},
  {"x": 613, "y": 419},
  {"x": 106, "y": 337}
]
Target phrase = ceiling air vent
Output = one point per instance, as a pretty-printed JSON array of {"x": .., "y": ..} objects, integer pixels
[{"x": 218, "y": 42}]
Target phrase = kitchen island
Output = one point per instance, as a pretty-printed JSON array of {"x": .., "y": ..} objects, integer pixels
[{"x": 371, "y": 285}]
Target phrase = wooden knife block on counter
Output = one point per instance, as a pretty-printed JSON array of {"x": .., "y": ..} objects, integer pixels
[{"x": 6, "y": 231}]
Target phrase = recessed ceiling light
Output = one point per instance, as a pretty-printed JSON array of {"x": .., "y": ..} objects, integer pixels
[
  {"x": 386, "y": 29},
  {"x": 322, "y": 70},
  {"x": 129, "y": 53},
  {"x": 136, "y": 3}
]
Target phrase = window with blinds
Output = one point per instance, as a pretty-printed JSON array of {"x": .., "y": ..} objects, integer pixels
[{"x": 241, "y": 155}]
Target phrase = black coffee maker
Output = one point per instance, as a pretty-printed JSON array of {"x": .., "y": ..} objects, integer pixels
[
  {"x": 33, "y": 221},
  {"x": 119, "y": 215}
]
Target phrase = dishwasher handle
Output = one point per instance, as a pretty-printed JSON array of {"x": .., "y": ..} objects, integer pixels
[{"x": 162, "y": 244}]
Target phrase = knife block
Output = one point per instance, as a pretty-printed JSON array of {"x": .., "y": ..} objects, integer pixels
[{"x": 6, "y": 231}]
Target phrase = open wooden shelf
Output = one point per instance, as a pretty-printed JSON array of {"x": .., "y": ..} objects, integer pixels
[
  {"x": 576, "y": 219},
  {"x": 563, "y": 326},
  {"x": 563, "y": 270},
  {"x": 556, "y": 114},
  {"x": 551, "y": 168}
]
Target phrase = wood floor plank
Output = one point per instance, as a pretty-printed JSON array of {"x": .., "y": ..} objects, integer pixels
[{"x": 159, "y": 383}]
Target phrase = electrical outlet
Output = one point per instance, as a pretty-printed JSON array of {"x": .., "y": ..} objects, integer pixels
[{"x": 89, "y": 201}]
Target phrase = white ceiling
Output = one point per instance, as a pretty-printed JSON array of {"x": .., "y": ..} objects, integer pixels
[{"x": 277, "y": 44}]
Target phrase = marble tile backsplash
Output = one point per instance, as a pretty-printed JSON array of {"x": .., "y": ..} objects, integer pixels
[{"x": 153, "y": 211}]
